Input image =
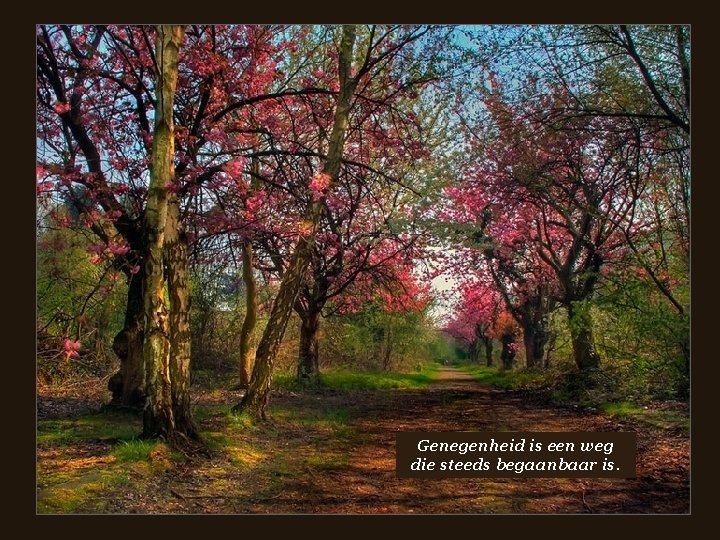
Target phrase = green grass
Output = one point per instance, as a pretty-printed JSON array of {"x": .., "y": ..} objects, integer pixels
[
  {"x": 664, "y": 419},
  {"x": 103, "y": 426},
  {"x": 504, "y": 380},
  {"x": 357, "y": 380},
  {"x": 135, "y": 450},
  {"x": 621, "y": 409}
]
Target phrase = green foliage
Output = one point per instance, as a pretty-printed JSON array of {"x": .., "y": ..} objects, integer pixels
[
  {"x": 503, "y": 379},
  {"x": 664, "y": 419},
  {"x": 343, "y": 379},
  {"x": 620, "y": 409},
  {"x": 645, "y": 337},
  {"x": 374, "y": 339},
  {"x": 63, "y": 494},
  {"x": 77, "y": 299}
]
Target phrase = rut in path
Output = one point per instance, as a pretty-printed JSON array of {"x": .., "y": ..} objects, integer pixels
[{"x": 365, "y": 481}]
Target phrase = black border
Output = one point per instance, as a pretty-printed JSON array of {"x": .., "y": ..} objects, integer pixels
[{"x": 19, "y": 119}]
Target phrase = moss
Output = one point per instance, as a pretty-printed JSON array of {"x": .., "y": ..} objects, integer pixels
[
  {"x": 621, "y": 409},
  {"x": 134, "y": 450},
  {"x": 73, "y": 495},
  {"x": 103, "y": 426}
]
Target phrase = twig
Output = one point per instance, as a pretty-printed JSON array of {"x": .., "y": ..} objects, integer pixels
[{"x": 585, "y": 504}]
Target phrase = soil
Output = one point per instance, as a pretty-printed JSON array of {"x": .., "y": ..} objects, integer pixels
[{"x": 298, "y": 468}]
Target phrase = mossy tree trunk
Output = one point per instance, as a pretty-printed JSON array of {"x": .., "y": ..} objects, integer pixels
[
  {"x": 488, "y": 343},
  {"x": 581, "y": 333},
  {"x": 159, "y": 417},
  {"x": 309, "y": 351},
  {"x": 176, "y": 266},
  {"x": 247, "y": 353},
  {"x": 507, "y": 355}
]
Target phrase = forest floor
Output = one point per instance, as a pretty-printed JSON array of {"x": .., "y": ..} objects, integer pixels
[{"x": 331, "y": 451}]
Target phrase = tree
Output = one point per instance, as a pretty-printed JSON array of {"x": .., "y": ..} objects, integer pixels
[
  {"x": 379, "y": 48},
  {"x": 551, "y": 196},
  {"x": 166, "y": 347},
  {"x": 95, "y": 98},
  {"x": 256, "y": 398},
  {"x": 505, "y": 330},
  {"x": 475, "y": 315}
]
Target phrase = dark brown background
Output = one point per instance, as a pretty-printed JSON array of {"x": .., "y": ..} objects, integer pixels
[{"x": 19, "y": 118}]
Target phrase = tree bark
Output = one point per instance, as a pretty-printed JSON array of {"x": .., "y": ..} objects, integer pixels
[
  {"x": 534, "y": 339},
  {"x": 487, "y": 342},
  {"x": 308, "y": 355},
  {"x": 256, "y": 398},
  {"x": 128, "y": 384},
  {"x": 176, "y": 265},
  {"x": 158, "y": 417},
  {"x": 583, "y": 342},
  {"x": 246, "y": 351},
  {"x": 388, "y": 348},
  {"x": 473, "y": 350},
  {"x": 508, "y": 352}
]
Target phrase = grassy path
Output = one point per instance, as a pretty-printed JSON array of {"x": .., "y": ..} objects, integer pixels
[{"x": 334, "y": 452}]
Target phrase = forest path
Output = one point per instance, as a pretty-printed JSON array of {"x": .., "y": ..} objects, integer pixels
[{"x": 334, "y": 452}]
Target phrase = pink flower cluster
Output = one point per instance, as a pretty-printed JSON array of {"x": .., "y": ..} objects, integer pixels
[
  {"x": 70, "y": 349},
  {"x": 235, "y": 167},
  {"x": 318, "y": 185},
  {"x": 62, "y": 108}
]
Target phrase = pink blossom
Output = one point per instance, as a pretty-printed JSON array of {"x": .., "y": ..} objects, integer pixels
[
  {"x": 61, "y": 107},
  {"x": 71, "y": 345},
  {"x": 135, "y": 269},
  {"x": 256, "y": 201},
  {"x": 70, "y": 349},
  {"x": 119, "y": 249},
  {"x": 235, "y": 167},
  {"x": 318, "y": 185},
  {"x": 43, "y": 187},
  {"x": 173, "y": 187}
]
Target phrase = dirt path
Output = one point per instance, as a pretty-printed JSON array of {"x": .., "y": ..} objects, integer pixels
[{"x": 350, "y": 468}]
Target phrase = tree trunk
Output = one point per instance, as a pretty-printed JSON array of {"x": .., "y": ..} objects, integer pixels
[
  {"x": 534, "y": 338},
  {"x": 246, "y": 351},
  {"x": 684, "y": 387},
  {"x": 473, "y": 351},
  {"x": 508, "y": 352},
  {"x": 388, "y": 349},
  {"x": 128, "y": 384},
  {"x": 158, "y": 417},
  {"x": 583, "y": 342},
  {"x": 256, "y": 398},
  {"x": 308, "y": 355},
  {"x": 487, "y": 342},
  {"x": 176, "y": 265}
]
